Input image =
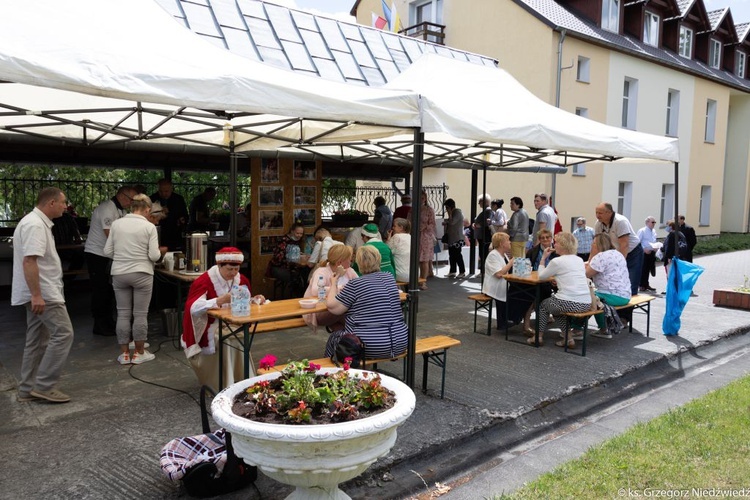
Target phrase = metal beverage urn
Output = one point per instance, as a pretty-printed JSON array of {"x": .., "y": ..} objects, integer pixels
[{"x": 197, "y": 252}]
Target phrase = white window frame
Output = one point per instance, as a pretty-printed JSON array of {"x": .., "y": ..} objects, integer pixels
[
  {"x": 583, "y": 70},
  {"x": 710, "y": 135},
  {"x": 673, "y": 112},
  {"x": 667, "y": 204},
  {"x": 714, "y": 53},
  {"x": 704, "y": 218},
  {"x": 651, "y": 23},
  {"x": 686, "y": 42},
  {"x": 436, "y": 11},
  {"x": 611, "y": 15},
  {"x": 629, "y": 103},
  {"x": 739, "y": 66},
  {"x": 624, "y": 198}
]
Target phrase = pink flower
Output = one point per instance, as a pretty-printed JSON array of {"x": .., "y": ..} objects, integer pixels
[
  {"x": 267, "y": 362},
  {"x": 312, "y": 367},
  {"x": 348, "y": 362}
]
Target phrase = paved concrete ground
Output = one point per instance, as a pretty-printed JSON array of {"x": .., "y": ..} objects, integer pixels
[{"x": 499, "y": 395}]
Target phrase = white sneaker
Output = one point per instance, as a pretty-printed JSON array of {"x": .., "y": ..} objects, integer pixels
[
  {"x": 137, "y": 358},
  {"x": 602, "y": 334},
  {"x": 124, "y": 358},
  {"x": 460, "y": 276},
  {"x": 131, "y": 345},
  {"x": 452, "y": 275}
]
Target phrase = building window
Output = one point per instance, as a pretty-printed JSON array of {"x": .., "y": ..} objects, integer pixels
[
  {"x": 667, "y": 203},
  {"x": 673, "y": 112},
  {"x": 705, "y": 210},
  {"x": 714, "y": 54},
  {"x": 710, "y": 121},
  {"x": 611, "y": 15},
  {"x": 583, "y": 69},
  {"x": 686, "y": 42},
  {"x": 739, "y": 70},
  {"x": 624, "y": 198},
  {"x": 425, "y": 11},
  {"x": 629, "y": 103},
  {"x": 651, "y": 29},
  {"x": 584, "y": 112}
]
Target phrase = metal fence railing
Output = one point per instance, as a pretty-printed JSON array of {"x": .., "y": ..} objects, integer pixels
[{"x": 85, "y": 194}]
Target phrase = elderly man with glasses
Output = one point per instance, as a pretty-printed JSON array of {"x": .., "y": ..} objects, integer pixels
[
  {"x": 647, "y": 236},
  {"x": 99, "y": 265},
  {"x": 585, "y": 235}
]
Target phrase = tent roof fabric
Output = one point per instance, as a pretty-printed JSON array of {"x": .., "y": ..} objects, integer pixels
[{"x": 81, "y": 79}]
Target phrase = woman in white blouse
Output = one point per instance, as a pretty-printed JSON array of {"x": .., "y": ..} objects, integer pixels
[
  {"x": 399, "y": 242},
  {"x": 133, "y": 246},
  {"x": 338, "y": 256},
  {"x": 496, "y": 266},
  {"x": 572, "y": 294}
]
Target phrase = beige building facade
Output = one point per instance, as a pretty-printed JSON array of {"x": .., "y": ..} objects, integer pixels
[{"x": 621, "y": 77}]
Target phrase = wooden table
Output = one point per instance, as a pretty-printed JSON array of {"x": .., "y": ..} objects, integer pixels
[
  {"x": 273, "y": 311},
  {"x": 534, "y": 281}
]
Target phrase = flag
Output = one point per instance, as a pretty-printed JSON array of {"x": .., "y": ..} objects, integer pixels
[
  {"x": 387, "y": 14},
  {"x": 378, "y": 22},
  {"x": 396, "y": 24},
  {"x": 680, "y": 281}
]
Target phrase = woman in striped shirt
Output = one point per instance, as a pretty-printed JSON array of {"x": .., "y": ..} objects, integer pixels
[{"x": 371, "y": 307}]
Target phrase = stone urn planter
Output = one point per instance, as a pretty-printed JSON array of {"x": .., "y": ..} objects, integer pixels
[
  {"x": 314, "y": 458},
  {"x": 732, "y": 298}
]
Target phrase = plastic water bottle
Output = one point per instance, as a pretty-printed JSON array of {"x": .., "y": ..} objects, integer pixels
[{"x": 321, "y": 289}]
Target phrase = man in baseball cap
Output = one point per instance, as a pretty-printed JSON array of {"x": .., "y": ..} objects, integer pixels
[{"x": 371, "y": 236}]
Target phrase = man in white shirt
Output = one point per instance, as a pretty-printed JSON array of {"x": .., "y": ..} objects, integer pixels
[
  {"x": 38, "y": 286},
  {"x": 647, "y": 236},
  {"x": 545, "y": 216},
  {"x": 99, "y": 265}
]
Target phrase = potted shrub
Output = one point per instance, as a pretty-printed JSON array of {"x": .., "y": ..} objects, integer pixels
[
  {"x": 737, "y": 297},
  {"x": 350, "y": 216},
  {"x": 313, "y": 434}
]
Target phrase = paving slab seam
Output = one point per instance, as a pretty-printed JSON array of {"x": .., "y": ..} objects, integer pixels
[{"x": 482, "y": 449}]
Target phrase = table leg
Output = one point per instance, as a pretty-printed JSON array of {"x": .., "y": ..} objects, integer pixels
[
  {"x": 536, "y": 328},
  {"x": 221, "y": 356}
]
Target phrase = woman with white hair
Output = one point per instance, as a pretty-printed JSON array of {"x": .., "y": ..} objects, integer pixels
[
  {"x": 133, "y": 246},
  {"x": 572, "y": 293},
  {"x": 371, "y": 306}
]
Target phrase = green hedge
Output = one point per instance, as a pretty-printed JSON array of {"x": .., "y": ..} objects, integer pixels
[{"x": 726, "y": 242}]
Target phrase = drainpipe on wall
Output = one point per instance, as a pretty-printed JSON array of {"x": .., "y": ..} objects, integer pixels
[{"x": 557, "y": 97}]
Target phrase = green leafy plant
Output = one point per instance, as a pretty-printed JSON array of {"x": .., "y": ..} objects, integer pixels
[
  {"x": 352, "y": 212},
  {"x": 744, "y": 288},
  {"x": 302, "y": 395}
]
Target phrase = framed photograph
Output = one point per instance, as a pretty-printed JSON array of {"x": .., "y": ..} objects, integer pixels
[
  {"x": 270, "y": 196},
  {"x": 305, "y": 170},
  {"x": 269, "y": 171},
  {"x": 271, "y": 219},
  {"x": 268, "y": 244},
  {"x": 305, "y": 195},
  {"x": 306, "y": 216}
]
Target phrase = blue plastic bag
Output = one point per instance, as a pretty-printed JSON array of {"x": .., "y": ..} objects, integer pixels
[{"x": 680, "y": 283}]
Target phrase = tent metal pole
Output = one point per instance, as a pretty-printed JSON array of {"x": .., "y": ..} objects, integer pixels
[
  {"x": 414, "y": 264},
  {"x": 676, "y": 207},
  {"x": 473, "y": 216},
  {"x": 483, "y": 241},
  {"x": 232, "y": 193}
]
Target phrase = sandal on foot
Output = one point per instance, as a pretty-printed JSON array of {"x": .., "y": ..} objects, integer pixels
[
  {"x": 571, "y": 343},
  {"x": 531, "y": 341},
  {"x": 529, "y": 332}
]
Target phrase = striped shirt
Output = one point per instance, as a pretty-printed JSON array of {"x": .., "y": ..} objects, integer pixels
[{"x": 374, "y": 314}]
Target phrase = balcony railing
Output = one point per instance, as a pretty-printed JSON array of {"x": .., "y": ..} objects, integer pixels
[{"x": 429, "y": 32}]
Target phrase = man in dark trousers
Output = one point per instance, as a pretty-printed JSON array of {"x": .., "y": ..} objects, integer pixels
[
  {"x": 690, "y": 237},
  {"x": 176, "y": 215}
]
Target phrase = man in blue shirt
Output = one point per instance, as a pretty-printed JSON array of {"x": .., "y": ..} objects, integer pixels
[{"x": 585, "y": 235}]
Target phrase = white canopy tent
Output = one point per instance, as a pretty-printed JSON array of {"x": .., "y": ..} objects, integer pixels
[{"x": 114, "y": 74}]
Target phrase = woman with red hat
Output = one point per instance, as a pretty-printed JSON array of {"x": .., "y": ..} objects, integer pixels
[{"x": 212, "y": 290}]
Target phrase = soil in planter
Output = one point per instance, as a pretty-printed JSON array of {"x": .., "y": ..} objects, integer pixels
[{"x": 245, "y": 406}]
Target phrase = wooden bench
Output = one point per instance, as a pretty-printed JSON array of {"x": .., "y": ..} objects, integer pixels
[
  {"x": 639, "y": 302},
  {"x": 405, "y": 284},
  {"x": 274, "y": 326},
  {"x": 433, "y": 350},
  {"x": 482, "y": 302}
]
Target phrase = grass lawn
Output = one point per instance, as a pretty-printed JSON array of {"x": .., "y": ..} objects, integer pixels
[{"x": 701, "y": 449}]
